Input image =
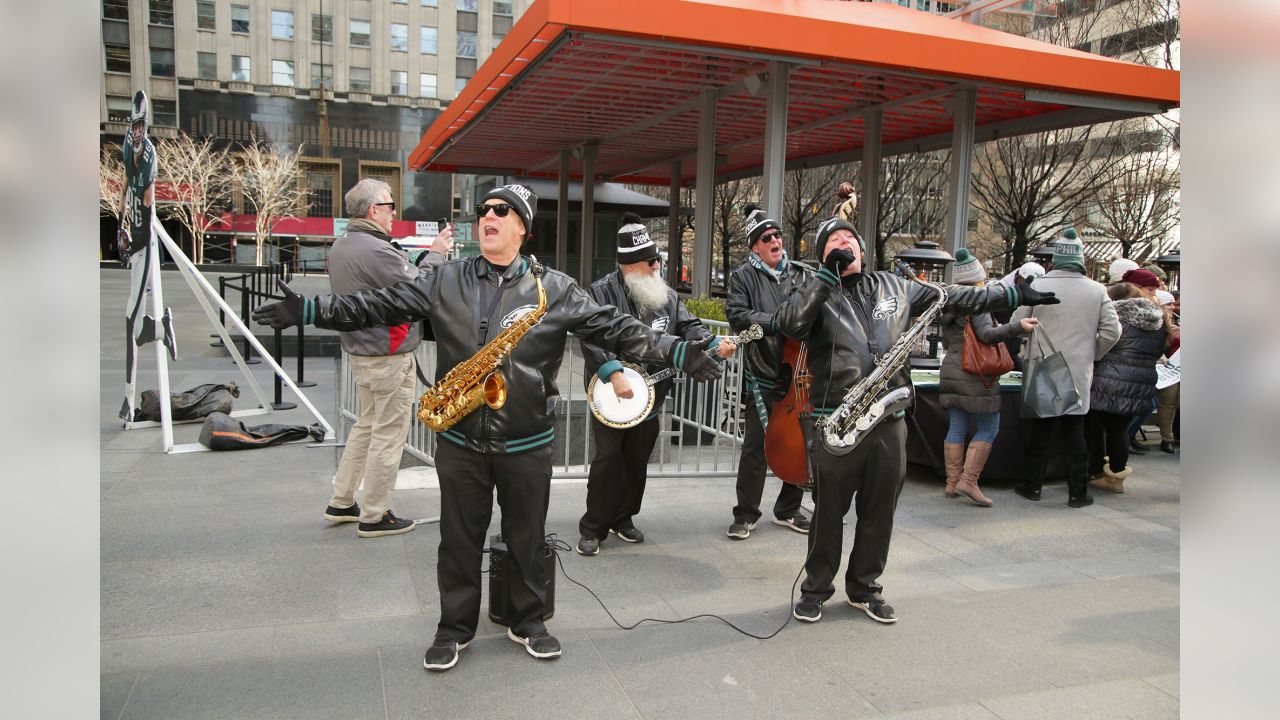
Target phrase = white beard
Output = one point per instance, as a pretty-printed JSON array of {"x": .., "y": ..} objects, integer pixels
[{"x": 648, "y": 291}]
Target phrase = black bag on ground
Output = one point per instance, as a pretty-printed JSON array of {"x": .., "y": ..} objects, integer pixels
[
  {"x": 223, "y": 432},
  {"x": 190, "y": 405}
]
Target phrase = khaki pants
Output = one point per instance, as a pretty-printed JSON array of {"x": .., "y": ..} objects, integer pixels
[
  {"x": 385, "y": 388},
  {"x": 1167, "y": 400}
]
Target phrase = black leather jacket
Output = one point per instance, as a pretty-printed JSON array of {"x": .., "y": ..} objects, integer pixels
[
  {"x": 673, "y": 319},
  {"x": 754, "y": 297},
  {"x": 847, "y": 328},
  {"x": 468, "y": 303}
]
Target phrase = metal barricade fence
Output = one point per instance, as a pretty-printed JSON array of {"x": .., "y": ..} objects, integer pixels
[{"x": 701, "y": 423}]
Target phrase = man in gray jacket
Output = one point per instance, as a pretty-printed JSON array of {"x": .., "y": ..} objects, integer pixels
[
  {"x": 1083, "y": 327},
  {"x": 382, "y": 362}
]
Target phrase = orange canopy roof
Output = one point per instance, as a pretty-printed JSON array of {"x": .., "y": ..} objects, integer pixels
[{"x": 628, "y": 75}]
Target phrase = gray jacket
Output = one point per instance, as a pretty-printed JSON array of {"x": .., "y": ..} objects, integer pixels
[
  {"x": 1083, "y": 326},
  {"x": 368, "y": 259}
]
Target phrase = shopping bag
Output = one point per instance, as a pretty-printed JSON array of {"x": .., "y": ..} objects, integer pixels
[{"x": 1047, "y": 387}]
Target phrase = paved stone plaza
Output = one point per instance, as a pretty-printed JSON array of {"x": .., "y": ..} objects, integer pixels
[{"x": 226, "y": 595}]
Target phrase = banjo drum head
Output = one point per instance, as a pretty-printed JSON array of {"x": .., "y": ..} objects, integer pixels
[{"x": 622, "y": 412}]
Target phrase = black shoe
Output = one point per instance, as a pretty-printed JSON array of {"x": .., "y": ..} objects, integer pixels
[
  {"x": 1166, "y": 447},
  {"x": 1136, "y": 447},
  {"x": 876, "y": 609},
  {"x": 389, "y": 525},
  {"x": 631, "y": 534},
  {"x": 125, "y": 415},
  {"x": 542, "y": 645},
  {"x": 166, "y": 324},
  {"x": 1027, "y": 492},
  {"x": 342, "y": 515},
  {"x": 807, "y": 610},
  {"x": 1082, "y": 501},
  {"x": 147, "y": 333},
  {"x": 796, "y": 522},
  {"x": 442, "y": 655},
  {"x": 588, "y": 546},
  {"x": 741, "y": 530}
]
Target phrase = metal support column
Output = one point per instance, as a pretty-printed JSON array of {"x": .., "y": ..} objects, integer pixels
[
  {"x": 704, "y": 195},
  {"x": 775, "y": 137},
  {"x": 869, "y": 203},
  {"x": 675, "y": 241},
  {"x": 562, "y": 214},
  {"x": 964, "y": 107},
  {"x": 588, "y": 211}
]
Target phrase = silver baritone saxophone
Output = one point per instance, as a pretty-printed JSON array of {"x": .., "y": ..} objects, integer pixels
[{"x": 867, "y": 403}]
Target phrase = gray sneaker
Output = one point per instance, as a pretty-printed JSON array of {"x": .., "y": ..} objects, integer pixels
[
  {"x": 542, "y": 645},
  {"x": 876, "y": 609},
  {"x": 807, "y": 610},
  {"x": 588, "y": 546},
  {"x": 741, "y": 530},
  {"x": 796, "y": 522},
  {"x": 442, "y": 655}
]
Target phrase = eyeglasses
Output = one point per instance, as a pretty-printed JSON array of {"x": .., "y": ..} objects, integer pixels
[
  {"x": 771, "y": 236},
  {"x": 501, "y": 210},
  {"x": 391, "y": 205},
  {"x": 655, "y": 262}
]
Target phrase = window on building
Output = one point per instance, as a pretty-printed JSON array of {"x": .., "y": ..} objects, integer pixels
[
  {"x": 282, "y": 72},
  {"x": 161, "y": 62},
  {"x": 428, "y": 3},
  {"x": 321, "y": 73},
  {"x": 319, "y": 181},
  {"x": 466, "y": 44},
  {"x": 360, "y": 81},
  {"x": 164, "y": 112},
  {"x": 360, "y": 33},
  {"x": 162, "y": 12},
  {"x": 427, "y": 85},
  {"x": 400, "y": 37},
  {"x": 399, "y": 82},
  {"x": 458, "y": 84},
  {"x": 501, "y": 25},
  {"x": 115, "y": 40},
  {"x": 399, "y": 2},
  {"x": 389, "y": 174},
  {"x": 281, "y": 25},
  {"x": 116, "y": 10},
  {"x": 321, "y": 28},
  {"x": 206, "y": 16},
  {"x": 118, "y": 59},
  {"x": 240, "y": 68},
  {"x": 430, "y": 37},
  {"x": 501, "y": 8},
  {"x": 118, "y": 108},
  {"x": 468, "y": 5},
  {"x": 240, "y": 19},
  {"x": 207, "y": 65}
]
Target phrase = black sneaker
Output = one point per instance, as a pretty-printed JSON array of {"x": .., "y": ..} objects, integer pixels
[
  {"x": 796, "y": 522},
  {"x": 1027, "y": 492},
  {"x": 169, "y": 341},
  {"x": 588, "y": 546},
  {"x": 631, "y": 534},
  {"x": 389, "y": 525},
  {"x": 542, "y": 645},
  {"x": 146, "y": 332},
  {"x": 807, "y": 610},
  {"x": 876, "y": 609},
  {"x": 1084, "y": 500},
  {"x": 442, "y": 655},
  {"x": 741, "y": 530},
  {"x": 342, "y": 515}
]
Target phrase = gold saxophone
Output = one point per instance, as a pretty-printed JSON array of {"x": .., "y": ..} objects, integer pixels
[{"x": 477, "y": 380}]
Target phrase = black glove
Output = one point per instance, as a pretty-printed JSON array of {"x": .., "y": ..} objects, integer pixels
[
  {"x": 1028, "y": 295},
  {"x": 837, "y": 260},
  {"x": 694, "y": 360},
  {"x": 294, "y": 309}
]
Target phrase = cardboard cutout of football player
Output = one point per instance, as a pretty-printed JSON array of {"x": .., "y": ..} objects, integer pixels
[{"x": 134, "y": 241}]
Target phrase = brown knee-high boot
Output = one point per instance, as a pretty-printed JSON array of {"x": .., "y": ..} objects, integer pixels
[
  {"x": 953, "y": 456},
  {"x": 974, "y": 461}
]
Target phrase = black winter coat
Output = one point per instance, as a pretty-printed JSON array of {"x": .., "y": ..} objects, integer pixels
[
  {"x": 1124, "y": 380},
  {"x": 754, "y": 297}
]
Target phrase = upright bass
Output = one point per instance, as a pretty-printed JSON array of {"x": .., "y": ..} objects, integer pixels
[{"x": 784, "y": 444}]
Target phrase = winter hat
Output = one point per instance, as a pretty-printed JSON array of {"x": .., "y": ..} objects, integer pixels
[
  {"x": 1119, "y": 267},
  {"x": 829, "y": 226},
  {"x": 520, "y": 198},
  {"x": 1141, "y": 278},
  {"x": 1157, "y": 271},
  {"x": 634, "y": 244},
  {"x": 968, "y": 271},
  {"x": 1031, "y": 270},
  {"x": 757, "y": 223},
  {"x": 1164, "y": 297},
  {"x": 1068, "y": 253}
]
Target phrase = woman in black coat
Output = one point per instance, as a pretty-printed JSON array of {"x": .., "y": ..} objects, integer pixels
[{"x": 1124, "y": 384}]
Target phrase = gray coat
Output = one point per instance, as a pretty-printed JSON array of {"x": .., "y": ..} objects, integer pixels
[
  {"x": 957, "y": 388},
  {"x": 1084, "y": 326}
]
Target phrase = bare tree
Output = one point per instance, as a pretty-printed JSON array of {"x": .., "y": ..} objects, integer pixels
[
  {"x": 912, "y": 199},
  {"x": 729, "y": 228},
  {"x": 1151, "y": 34},
  {"x": 200, "y": 176},
  {"x": 110, "y": 181},
  {"x": 269, "y": 179},
  {"x": 1140, "y": 206},
  {"x": 806, "y": 196}
]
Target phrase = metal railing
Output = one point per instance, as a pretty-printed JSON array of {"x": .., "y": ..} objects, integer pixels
[{"x": 701, "y": 423}]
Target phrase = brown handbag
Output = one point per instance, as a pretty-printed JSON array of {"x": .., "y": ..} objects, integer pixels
[{"x": 988, "y": 362}]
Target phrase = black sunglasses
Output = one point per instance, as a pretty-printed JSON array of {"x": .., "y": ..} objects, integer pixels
[
  {"x": 655, "y": 262},
  {"x": 391, "y": 205},
  {"x": 501, "y": 210},
  {"x": 771, "y": 236}
]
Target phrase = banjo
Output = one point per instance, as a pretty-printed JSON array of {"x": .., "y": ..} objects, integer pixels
[{"x": 622, "y": 413}]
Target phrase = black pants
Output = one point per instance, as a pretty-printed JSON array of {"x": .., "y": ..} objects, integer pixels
[
  {"x": 1107, "y": 434},
  {"x": 619, "y": 471},
  {"x": 1074, "y": 450},
  {"x": 467, "y": 480},
  {"x": 751, "y": 471},
  {"x": 871, "y": 479}
]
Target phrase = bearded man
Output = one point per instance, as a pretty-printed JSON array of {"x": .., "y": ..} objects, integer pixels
[{"x": 620, "y": 457}]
